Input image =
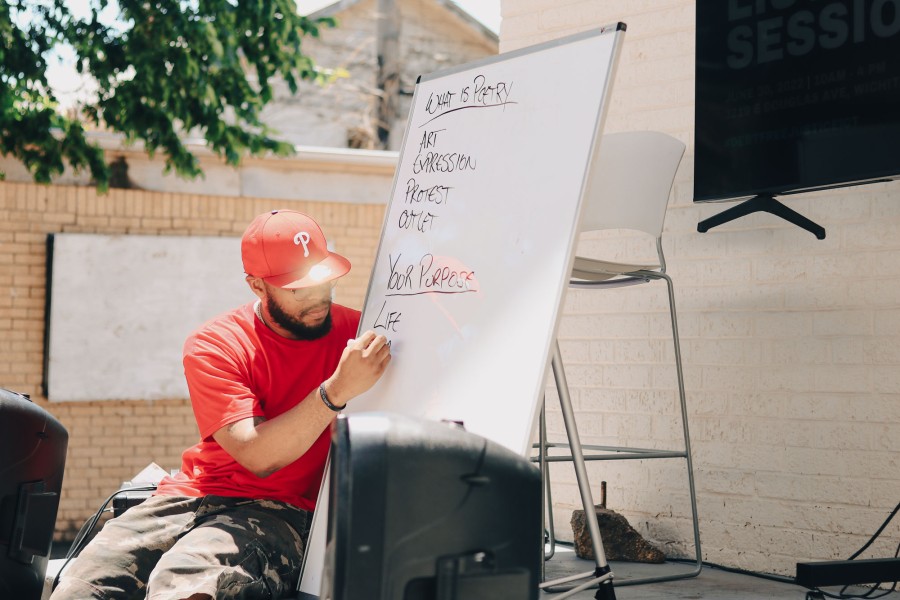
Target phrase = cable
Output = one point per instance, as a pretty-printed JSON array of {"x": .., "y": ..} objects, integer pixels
[
  {"x": 768, "y": 576},
  {"x": 877, "y": 533},
  {"x": 843, "y": 595},
  {"x": 88, "y": 527},
  {"x": 819, "y": 593}
]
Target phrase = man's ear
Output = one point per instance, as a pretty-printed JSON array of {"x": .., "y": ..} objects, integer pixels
[{"x": 256, "y": 286}]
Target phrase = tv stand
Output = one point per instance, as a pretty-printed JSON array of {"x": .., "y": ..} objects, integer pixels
[{"x": 766, "y": 203}]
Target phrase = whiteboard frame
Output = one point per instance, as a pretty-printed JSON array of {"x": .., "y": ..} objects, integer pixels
[
  {"x": 311, "y": 577},
  {"x": 598, "y": 126}
]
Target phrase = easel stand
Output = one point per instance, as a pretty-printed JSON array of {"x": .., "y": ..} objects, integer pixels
[{"x": 601, "y": 575}]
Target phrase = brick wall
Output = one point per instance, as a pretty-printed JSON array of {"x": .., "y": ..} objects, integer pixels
[
  {"x": 109, "y": 442},
  {"x": 791, "y": 345}
]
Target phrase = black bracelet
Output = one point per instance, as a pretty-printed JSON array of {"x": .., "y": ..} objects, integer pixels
[{"x": 328, "y": 402}]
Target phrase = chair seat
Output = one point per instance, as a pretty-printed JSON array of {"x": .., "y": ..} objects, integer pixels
[{"x": 591, "y": 269}]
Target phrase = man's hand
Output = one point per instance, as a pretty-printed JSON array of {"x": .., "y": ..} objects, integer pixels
[{"x": 362, "y": 364}]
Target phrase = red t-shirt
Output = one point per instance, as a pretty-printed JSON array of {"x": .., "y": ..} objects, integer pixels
[{"x": 236, "y": 368}]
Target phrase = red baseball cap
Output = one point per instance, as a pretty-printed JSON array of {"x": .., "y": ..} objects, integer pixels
[{"x": 288, "y": 249}]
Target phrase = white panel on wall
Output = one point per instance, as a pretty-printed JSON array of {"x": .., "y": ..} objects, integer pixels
[{"x": 121, "y": 306}]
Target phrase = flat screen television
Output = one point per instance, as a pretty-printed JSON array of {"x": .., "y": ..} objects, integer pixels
[
  {"x": 422, "y": 510},
  {"x": 794, "y": 96}
]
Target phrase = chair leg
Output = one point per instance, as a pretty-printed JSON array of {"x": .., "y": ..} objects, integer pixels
[
  {"x": 686, "y": 454},
  {"x": 687, "y": 447},
  {"x": 684, "y": 420},
  {"x": 578, "y": 458}
]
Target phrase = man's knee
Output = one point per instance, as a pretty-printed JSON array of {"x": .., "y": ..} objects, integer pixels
[
  {"x": 208, "y": 571},
  {"x": 72, "y": 588}
]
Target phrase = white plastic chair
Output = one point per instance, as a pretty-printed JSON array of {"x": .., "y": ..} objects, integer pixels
[{"x": 629, "y": 186}]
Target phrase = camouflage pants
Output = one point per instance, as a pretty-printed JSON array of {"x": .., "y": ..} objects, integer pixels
[{"x": 171, "y": 547}]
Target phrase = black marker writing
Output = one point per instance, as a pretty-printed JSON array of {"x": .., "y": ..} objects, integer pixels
[
  {"x": 436, "y": 194},
  {"x": 432, "y": 276},
  {"x": 481, "y": 93},
  {"x": 416, "y": 219},
  {"x": 488, "y": 94},
  {"x": 437, "y": 102},
  {"x": 387, "y": 320},
  {"x": 398, "y": 280},
  {"x": 434, "y": 162},
  {"x": 429, "y": 139}
]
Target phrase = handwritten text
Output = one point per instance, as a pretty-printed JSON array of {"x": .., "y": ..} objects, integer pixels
[{"x": 428, "y": 275}]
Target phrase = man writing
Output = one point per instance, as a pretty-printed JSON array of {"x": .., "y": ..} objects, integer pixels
[{"x": 266, "y": 381}]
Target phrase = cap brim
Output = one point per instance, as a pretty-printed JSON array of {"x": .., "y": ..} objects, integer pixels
[{"x": 328, "y": 269}]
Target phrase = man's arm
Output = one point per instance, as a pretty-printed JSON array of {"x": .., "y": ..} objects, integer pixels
[{"x": 263, "y": 446}]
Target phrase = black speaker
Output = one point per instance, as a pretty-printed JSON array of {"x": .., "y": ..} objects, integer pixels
[
  {"x": 32, "y": 459},
  {"x": 420, "y": 510}
]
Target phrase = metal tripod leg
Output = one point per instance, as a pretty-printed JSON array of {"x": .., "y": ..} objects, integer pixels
[
  {"x": 602, "y": 574},
  {"x": 546, "y": 494}
]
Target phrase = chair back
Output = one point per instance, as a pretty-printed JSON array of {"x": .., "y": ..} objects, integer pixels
[{"x": 630, "y": 179}]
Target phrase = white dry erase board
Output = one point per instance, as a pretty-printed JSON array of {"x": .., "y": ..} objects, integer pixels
[{"x": 478, "y": 240}]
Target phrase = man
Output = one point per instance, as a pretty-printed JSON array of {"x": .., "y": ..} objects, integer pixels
[{"x": 266, "y": 381}]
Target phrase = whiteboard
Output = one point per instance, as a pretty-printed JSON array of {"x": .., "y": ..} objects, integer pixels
[
  {"x": 478, "y": 241},
  {"x": 121, "y": 307}
]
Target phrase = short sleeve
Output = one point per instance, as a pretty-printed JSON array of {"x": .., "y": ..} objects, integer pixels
[{"x": 218, "y": 385}]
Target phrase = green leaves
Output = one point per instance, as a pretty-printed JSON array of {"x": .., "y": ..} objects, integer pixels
[{"x": 163, "y": 69}]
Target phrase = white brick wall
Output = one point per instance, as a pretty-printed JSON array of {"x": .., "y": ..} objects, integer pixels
[{"x": 791, "y": 345}]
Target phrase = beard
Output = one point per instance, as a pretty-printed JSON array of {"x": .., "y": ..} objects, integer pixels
[{"x": 299, "y": 329}]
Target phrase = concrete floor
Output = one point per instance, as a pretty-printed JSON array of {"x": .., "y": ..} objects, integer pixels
[{"x": 710, "y": 584}]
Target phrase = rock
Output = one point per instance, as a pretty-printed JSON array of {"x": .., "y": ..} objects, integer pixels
[{"x": 620, "y": 540}]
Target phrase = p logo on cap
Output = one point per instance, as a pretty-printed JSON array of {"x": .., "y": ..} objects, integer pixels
[
  {"x": 288, "y": 249},
  {"x": 303, "y": 238}
]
